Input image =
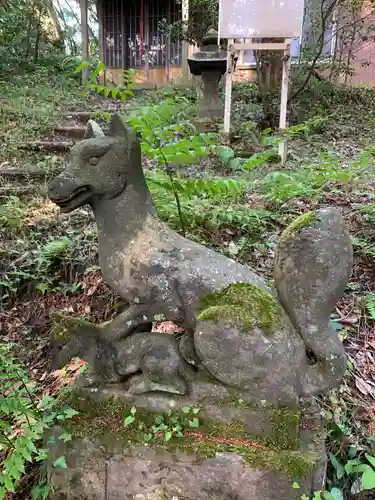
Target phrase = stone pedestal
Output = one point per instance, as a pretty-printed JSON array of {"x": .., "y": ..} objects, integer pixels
[
  {"x": 237, "y": 452},
  {"x": 211, "y": 106}
]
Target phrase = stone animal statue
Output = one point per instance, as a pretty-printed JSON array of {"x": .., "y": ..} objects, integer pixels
[
  {"x": 236, "y": 327},
  {"x": 155, "y": 357}
]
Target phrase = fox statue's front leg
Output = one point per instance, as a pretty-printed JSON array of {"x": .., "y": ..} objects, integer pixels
[{"x": 133, "y": 319}]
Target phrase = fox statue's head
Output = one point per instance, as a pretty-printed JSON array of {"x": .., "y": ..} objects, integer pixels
[{"x": 100, "y": 166}]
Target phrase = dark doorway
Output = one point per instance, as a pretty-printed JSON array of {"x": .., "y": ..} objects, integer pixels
[{"x": 131, "y": 34}]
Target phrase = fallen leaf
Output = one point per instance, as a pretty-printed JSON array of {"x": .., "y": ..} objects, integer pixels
[{"x": 363, "y": 386}]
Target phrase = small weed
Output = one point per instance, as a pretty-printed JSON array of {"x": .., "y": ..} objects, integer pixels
[{"x": 167, "y": 425}]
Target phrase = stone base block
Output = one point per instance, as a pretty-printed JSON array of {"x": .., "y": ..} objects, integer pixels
[{"x": 235, "y": 453}]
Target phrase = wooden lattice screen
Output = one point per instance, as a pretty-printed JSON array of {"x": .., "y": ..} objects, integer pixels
[{"x": 131, "y": 33}]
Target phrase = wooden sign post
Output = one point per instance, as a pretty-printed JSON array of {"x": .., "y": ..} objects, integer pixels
[{"x": 257, "y": 19}]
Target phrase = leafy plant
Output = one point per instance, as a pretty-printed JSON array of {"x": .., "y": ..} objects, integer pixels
[
  {"x": 123, "y": 91},
  {"x": 370, "y": 305},
  {"x": 168, "y": 425},
  {"x": 12, "y": 212},
  {"x": 360, "y": 470},
  {"x": 23, "y": 423},
  {"x": 167, "y": 143}
]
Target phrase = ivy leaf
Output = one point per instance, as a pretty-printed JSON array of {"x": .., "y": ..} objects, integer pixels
[
  {"x": 168, "y": 435},
  {"x": 370, "y": 459},
  {"x": 40, "y": 492},
  {"x": 70, "y": 412},
  {"x": 194, "y": 423},
  {"x": 336, "y": 494},
  {"x": 368, "y": 479},
  {"x": 65, "y": 436},
  {"x": 340, "y": 470},
  {"x": 159, "y": 419},
  {"x": 296, "y": 486},
  {"x": 60, "y": 463},
  {"x": 42, "y": 455},
  {"x": 185, "y": 409},
  {"x": 128, "y": 420}
]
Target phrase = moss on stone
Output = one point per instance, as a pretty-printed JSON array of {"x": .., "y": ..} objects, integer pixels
[
  {"x": 304, "y": 220},
  {"x": 242, "y": 304},
  {"x": 294, "y": 463},
  {"x": 104, "y": 421},
  {"x": 285, "y": 429},
  {"x": 63, "y": 324}
]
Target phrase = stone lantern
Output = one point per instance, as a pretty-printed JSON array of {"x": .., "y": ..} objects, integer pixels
[{"x": 210, "y": 63}]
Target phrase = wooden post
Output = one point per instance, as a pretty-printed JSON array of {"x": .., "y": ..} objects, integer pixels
[
  {"x": 185, "y": 44},
  {"x": 228, "y": 91},
  {"x": 283, "y": 147},
  {"x": 84, "y": 39},
  {"x": 101, "y": 39}
]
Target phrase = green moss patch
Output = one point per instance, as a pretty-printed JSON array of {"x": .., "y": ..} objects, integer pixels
[
  {"x": 294, "y": 463},
  {"x": 305, "y": 220},
  {"x": 242, "y": 304},
  {"x": 62, "y": 325},
  {"x": 105, "y": 421}
]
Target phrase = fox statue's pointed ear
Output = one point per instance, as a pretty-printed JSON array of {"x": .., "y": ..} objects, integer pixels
[
  {"x": 93, "y": 130},
  {"x": 118, "y": 126}
]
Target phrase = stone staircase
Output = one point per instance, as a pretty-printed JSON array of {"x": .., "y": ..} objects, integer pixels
[
  {"x": 66, "y": 133},
  {"x": 69, "y": 130}
]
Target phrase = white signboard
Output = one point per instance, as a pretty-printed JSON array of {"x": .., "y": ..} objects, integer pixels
[{"x": 260, "y": 18}]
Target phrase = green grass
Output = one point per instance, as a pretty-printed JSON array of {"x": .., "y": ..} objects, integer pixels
[{"x": 30, "y": 106}]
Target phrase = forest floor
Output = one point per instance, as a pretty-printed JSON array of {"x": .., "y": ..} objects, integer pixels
[{"x": 49, "y": 261}]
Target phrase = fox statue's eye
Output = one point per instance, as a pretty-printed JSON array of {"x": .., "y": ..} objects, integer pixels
[{"x": 94, "y": 160}]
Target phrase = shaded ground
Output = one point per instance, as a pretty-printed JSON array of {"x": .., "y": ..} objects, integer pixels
[{"x": 48, "y": 261}]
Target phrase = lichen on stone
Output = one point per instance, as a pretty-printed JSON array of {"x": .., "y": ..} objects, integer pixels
[
  {"x": 302, "y": 221},
  {"x": 242, "y": 304}
]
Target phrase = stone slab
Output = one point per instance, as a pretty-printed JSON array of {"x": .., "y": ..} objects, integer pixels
[{"x": 145, "y": 473}]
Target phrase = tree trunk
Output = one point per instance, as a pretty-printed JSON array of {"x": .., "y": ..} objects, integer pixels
[{"x": 269, "y": 68}]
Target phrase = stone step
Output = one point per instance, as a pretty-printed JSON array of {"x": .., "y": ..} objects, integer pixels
[
  {"x": 11, "y": 190},
  {"x": 57, "y": 146},
  {"x": 80, "y": 116},
  {"x": 17, "y": 172},
  {"x": 71, "y": 132}
]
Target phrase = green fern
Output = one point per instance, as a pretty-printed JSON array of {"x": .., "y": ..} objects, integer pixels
[
  {"x": 214, "y": 189},
  {"x": 370, "y": 305},
  {"x": 55, "y": 249},
  {"x": 12, "y": 212},
  {"x": 211, "y": 203}
]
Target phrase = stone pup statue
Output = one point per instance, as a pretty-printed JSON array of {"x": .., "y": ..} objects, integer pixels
[
  {"x": 154, "y": 357},
  {"x": 237, "y": 328}
]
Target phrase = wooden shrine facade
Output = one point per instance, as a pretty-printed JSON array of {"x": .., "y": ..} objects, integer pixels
[{"x": 130, "y": 37}]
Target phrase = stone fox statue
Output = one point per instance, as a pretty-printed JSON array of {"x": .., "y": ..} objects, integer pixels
[{"x": 236, "y": 327}]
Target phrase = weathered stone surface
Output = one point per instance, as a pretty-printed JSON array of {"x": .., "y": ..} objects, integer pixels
[
  {"x": 155, "y": 355},
  {"x": 140, "y": 472},
  {"x": 247, "y": 336}
]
